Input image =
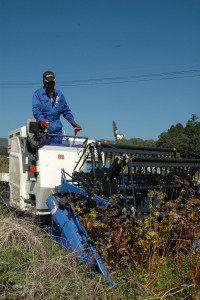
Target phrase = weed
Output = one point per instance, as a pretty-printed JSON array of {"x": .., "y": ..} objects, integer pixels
[{"x": 153, "y": 258}]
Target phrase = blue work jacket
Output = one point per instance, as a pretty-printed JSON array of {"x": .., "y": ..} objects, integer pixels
[{"x": 44, "y": 109}]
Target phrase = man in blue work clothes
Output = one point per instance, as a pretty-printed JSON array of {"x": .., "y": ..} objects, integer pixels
[{"x": 48, "y": 104}]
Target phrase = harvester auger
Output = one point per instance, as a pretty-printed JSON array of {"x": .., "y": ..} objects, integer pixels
[{"x": 45, "y": 179}]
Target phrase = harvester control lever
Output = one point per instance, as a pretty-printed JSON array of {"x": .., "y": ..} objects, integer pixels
[{"x": 46, "y": 126}]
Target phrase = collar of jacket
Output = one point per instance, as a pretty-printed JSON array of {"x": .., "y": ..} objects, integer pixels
[{"x": 45, "y": 92}]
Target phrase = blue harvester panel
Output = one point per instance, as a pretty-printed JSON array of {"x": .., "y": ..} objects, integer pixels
[{"x": 67, "y": 230}]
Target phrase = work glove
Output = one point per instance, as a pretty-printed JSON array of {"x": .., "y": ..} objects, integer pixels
[
  {"x": 43, "y": 123},
  {"x": 76, "y": 127}
]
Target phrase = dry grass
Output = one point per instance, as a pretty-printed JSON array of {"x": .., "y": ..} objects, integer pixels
[
  {"x": 33, "y": 267},
  {"x": 22, "y": 236}
]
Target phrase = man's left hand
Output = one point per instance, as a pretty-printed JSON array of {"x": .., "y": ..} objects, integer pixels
[{"x": 76, "y": 127}]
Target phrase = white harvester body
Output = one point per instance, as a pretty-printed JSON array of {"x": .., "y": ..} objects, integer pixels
[{"x": 32, "y": 177}]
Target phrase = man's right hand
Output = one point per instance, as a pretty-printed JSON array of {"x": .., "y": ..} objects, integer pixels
[{"x": 43, "y": 123}]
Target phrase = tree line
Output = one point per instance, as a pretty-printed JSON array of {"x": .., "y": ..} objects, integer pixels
[{"x": 186, "y": 140}]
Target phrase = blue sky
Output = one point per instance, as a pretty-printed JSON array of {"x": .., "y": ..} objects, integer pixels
[{"x": 136, "y": 62}]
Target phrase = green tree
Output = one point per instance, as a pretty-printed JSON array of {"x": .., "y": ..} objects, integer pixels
[
  {"x": 185, "y": 139},
  {"x": 192, "y": 130},
  {"x": 138, "y": 142}
]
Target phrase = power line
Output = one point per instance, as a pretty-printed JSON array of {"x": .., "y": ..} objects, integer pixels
[
  {"x": 129, "y": 81},
  {"x": 131, "y": 76},
  {"x": 113, "y": 80}
]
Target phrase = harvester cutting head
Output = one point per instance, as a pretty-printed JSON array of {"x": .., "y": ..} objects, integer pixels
[{"x": 129, "y": 173}]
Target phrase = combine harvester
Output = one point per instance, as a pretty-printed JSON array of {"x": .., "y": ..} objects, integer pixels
[{"x": 45, "y": 178}]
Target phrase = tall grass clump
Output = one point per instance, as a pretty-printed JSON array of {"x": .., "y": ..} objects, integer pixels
[{"x": 32, "y": 266}]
